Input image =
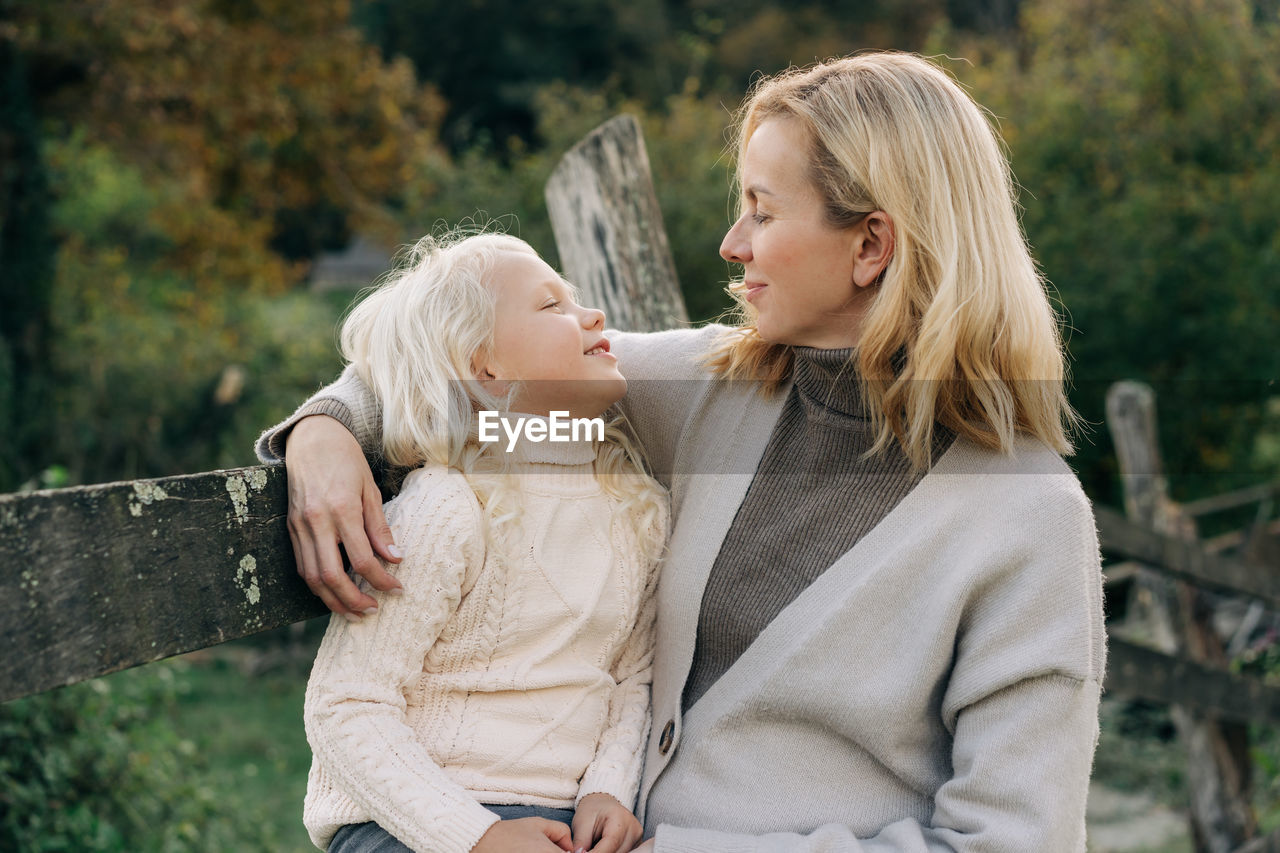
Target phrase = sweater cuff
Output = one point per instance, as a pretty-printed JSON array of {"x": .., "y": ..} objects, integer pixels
[
  {"x": 465, "y": 827},
  {"x": 618, "y": 784},
  {"x": 271, "y": 444}
]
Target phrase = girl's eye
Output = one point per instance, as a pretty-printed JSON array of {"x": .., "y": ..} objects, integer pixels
[{"x": 555, "y": 305}]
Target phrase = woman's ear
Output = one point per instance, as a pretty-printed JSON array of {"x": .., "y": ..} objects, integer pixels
[{"x": 873, "y": 246}]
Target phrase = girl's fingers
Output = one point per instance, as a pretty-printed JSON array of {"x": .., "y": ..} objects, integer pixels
[
  {"x": 378, "y": 531},
  {"x": 613, "y": 839},
  {"x": 584, "y": 829},
  {"x": 559, "y": 835}
]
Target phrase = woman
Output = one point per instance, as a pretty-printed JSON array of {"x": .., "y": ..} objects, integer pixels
[{"x": 880, "y": 621}]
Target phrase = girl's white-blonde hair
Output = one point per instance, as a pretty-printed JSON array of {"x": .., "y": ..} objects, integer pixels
[
  {"x": 961, "y": 331},
  {"x": 415, "y": 340}
]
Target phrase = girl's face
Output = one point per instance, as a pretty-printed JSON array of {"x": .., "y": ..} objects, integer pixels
[
  {"x": 798, "y": 271},
  {"x": 553, "y": 345}
]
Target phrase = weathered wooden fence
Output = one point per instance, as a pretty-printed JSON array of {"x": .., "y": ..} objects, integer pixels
[
  {"x": 96, "y": 579},
  {"x": 1185, "y": 660}
]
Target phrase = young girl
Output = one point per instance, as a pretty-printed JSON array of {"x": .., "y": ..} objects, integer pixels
[{"x": 509, "y": 677}]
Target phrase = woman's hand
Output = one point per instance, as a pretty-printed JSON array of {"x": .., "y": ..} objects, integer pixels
[
  {"x": 525, "y": 835},
  {"x": 648, "y": 847},
  {"x": 601, "y": 824},
  {"x": 333, "y": 499}
]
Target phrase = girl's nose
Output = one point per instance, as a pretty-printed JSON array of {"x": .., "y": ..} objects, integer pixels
[
  {"x": 592, "y": 318},
  {"x": 735, "y": 248}
]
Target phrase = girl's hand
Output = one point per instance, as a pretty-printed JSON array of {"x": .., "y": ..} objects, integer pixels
[
  {"x": 333, "y": 499},
  {"x": 648, "y": 847},
  {"x": 525, "y": 835},
  {"x": 601, "y": 824}
]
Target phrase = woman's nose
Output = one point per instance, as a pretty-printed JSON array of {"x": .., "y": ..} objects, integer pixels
[{"x": 735, "y": 248}]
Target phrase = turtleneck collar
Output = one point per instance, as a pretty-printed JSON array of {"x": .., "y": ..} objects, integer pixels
[
  {"x": 828, "y": 380},
  {"x": 562, "y": 467}
]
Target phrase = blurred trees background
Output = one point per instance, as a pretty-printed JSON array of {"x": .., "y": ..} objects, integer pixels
[{"x": 171, "y": 170}]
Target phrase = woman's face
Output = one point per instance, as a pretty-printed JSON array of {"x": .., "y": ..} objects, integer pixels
[
  {"x": 554, "y": 347},
  {"x": 797, "y": 270}
]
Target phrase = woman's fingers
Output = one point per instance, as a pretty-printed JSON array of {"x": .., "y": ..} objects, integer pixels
[
  {"x": 377, "y": 533},
  {"x": 304, "y": 556},
  {"x": 361, "y": 535},
  {"x": 320, "y": 562},
  {"x": 328, "y": 483}
]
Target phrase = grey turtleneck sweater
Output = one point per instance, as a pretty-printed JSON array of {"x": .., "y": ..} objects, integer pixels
[{"x": 815, "y": 476}]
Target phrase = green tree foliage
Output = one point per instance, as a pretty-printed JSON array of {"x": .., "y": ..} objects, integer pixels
[
  {"x": 197, "y": 153},
  {"x": 26, "y": 256},
  {"x": 686, "y": 145},
  {"x": 760, "y": 36},
  {"x": 491, "y": 58},
  {"x": 279, "y": 121},
  {"x": 96, "y": 767},
  {"x": 156, "y": 371},
  {"x": 1144, "y": 137}
]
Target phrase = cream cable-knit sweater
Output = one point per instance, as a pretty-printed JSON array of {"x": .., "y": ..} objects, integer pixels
[{"x": 487, "y": 681}]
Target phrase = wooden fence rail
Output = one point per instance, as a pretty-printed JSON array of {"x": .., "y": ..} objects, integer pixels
[
  {"x": 96, "y": 579},
  {"x": 1188, "y": 561}
]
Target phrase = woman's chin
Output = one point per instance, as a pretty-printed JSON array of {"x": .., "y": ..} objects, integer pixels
[
  {"x": 774, "y": 333},
  {"x": 816, "y": 338}
]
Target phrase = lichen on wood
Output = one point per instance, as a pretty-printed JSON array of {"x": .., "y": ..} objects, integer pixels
[{"x": 95, "y": 579}]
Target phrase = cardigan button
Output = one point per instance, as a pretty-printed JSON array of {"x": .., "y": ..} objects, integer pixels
[{"x": 668, "y": 735}]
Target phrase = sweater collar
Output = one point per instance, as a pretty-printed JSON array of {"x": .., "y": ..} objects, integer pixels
[
  {"x": 828, "y": 380},
  {"x": 547, "y": 465}
]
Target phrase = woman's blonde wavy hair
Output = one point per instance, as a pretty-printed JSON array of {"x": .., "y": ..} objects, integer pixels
[
  {"x": 415, "y": 339},
  {"x": 961, "y": 331}
]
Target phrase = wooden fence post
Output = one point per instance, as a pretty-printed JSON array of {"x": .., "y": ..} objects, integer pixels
[
  {"x": 609, "y": 232},
  {"x": 1218, "y": 767}
]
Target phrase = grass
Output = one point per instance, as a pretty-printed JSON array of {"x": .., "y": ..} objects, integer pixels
[{"x": 247, "y": 730}]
